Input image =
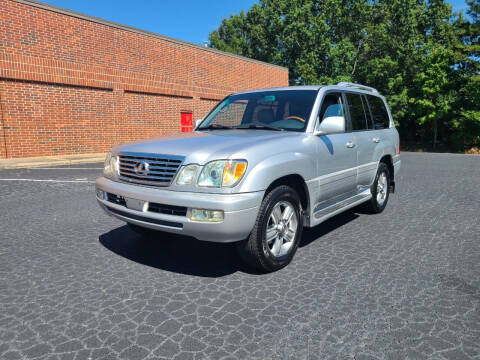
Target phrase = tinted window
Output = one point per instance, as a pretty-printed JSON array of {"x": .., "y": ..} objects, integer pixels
[
  {"x": 368, "y": 113},
  {"x": 234, "y": 115},
  {"x": 379, "y": 112},
  {"x": 331, "y": 106},
  {"x": 288, "y": 109},
  {"x": 357, "y": 113}
]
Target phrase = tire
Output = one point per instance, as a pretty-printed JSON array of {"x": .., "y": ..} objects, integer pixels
[
  {"x": 272, "y": 254},
  {"x": 380, "y": 194}
]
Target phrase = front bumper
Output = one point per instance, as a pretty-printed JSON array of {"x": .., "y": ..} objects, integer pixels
[{"x": 240, "y": 210}]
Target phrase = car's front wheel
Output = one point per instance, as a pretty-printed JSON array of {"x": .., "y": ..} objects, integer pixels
[{"x": 277, "y": 231}]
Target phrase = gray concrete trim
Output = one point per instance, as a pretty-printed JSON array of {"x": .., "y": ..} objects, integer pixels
[
  {"x": 67, "y": 12},
  {"x": 55, "y": 160}
]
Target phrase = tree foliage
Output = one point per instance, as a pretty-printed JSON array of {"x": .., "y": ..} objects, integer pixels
[{"x": 420, "y": 54}]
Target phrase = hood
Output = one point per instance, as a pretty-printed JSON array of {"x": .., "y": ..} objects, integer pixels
[{"x": 202, "y": 147}]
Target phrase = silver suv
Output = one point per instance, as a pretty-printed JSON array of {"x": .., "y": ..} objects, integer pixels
[{"x": 258, "y": 168}]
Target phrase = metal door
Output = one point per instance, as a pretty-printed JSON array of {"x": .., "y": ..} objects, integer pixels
[{"x": 186, "y": 121}]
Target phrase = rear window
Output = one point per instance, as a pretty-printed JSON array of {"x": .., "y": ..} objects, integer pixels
[{"x": 379, "y": 112}]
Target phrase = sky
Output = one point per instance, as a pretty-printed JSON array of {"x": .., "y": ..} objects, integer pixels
[{"x": 188, "y": 20}]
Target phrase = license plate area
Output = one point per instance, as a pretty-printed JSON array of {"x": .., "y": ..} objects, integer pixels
[{"x": 136, "y": 204}]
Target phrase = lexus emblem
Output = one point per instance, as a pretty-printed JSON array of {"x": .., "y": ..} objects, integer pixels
[{"x": 142, "y": 167}]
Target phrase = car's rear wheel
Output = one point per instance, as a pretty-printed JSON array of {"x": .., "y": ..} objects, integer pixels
[
  {"x": 277, "y": 231},
  {"x": 380, "y": 190}
]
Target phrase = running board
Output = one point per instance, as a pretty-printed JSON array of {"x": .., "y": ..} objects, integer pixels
[{"x": 332, "y": 210}]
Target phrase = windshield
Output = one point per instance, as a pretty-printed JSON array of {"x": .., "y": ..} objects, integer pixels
[{"x": 271, "y": 110}]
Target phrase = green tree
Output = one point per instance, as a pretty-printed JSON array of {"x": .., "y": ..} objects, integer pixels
[
  {"x": 420, "y": 54},
  {"x": 466, "y": 124},
  {"x": 434, "y": 97}
]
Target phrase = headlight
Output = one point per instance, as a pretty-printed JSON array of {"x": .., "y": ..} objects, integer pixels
[
  {"x": 222, "y": 173},
  {"x": 233, "y": 172},
  {"x": 187, "y": 175},
  {"x": 110, "y": 166}
]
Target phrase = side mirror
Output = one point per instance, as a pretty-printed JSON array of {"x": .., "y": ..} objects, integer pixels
[
  {"x": 197, "y": 123},
  {"x": 331, "y": 125}
]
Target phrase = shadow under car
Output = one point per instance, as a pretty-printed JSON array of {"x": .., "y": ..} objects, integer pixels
[{"x": 187, "y": 255}]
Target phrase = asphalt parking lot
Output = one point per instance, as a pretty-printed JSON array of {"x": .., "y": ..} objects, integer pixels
[{"x": 77, "y": 284}]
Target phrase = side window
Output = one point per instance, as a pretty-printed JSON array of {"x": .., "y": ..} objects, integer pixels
[
  {"x": 357, "y": 112},
  {"x": 368, "y": 113},
  {"x": 331, "y": 106},
  {"x": 379, "y": 112}
]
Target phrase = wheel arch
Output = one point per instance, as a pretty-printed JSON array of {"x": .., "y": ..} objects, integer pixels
[
  {"x": 387, "y": 160},
  {"x": 296, "y": 182}
]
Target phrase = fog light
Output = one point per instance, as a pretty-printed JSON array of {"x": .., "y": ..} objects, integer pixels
[
  {"x": 206, "y": 215},
  {"x": 100, "y": 194}
]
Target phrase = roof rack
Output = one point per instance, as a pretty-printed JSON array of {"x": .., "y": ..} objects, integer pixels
[{"x": 358, "y": 86}]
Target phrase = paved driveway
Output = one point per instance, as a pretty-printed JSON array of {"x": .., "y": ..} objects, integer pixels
[{"x": 77, "y": 284}]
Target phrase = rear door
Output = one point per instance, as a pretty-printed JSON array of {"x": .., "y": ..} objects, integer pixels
[
  {"x": 362, "y": 127},
  {"x": 380, "y": 119},
  {"x": 381, "y": 135}
]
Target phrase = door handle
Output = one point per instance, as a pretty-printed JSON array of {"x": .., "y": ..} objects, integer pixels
[
  {"x": 376, "y": 140},
  {"x": 350, "y": 144}
]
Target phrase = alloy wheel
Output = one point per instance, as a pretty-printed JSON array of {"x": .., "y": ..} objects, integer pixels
[{"x": 282, "y": 227}]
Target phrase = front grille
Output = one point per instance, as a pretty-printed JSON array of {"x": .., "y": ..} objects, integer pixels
[
  {"x": 145, "y": 219},
  {"x": 152, "y": 207},
  {"x": 167, "y": 209},
  {"x": 116, "y": 199},
  {"x": 149, "y": 169}
]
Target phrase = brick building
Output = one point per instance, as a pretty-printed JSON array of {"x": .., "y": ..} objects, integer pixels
[{"x": 70, "y": 83}]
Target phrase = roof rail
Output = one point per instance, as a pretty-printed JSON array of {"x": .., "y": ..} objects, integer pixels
[{"x": 358, "y": 86}]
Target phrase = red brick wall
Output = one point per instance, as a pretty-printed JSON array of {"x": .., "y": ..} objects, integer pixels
[
  {"x": 72, "y": 85},
  {"x": 49, "y": 119}
]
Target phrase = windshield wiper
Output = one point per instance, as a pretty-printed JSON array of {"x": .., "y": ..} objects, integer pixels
[
  {"x": 259, "y": 126},
  {"x": 215, "y": 127}
]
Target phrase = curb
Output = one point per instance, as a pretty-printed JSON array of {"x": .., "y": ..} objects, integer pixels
[{"x": 17, "y": 163}]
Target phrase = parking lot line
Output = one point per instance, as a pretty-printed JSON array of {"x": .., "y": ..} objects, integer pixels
[
  {"x": 60, "y": 168},
  {"x": 51, "y": 180}
]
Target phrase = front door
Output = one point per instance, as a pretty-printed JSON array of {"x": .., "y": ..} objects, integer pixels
[{"x": 336, "y": 158}]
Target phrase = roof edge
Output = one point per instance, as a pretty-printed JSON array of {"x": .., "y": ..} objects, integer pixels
[{"x": 94, "y": 19}]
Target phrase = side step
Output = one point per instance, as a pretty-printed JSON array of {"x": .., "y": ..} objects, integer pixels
[{"x": 324, "y": 213}]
